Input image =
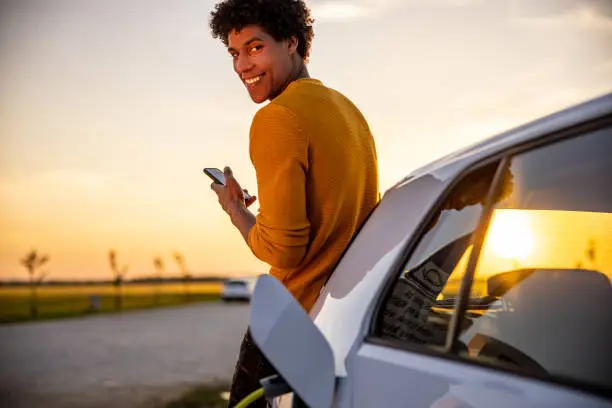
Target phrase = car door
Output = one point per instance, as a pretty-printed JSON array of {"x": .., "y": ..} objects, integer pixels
[{"x": 504, "y": 298}]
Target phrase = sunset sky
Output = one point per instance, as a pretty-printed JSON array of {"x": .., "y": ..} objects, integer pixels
[
  {"x": 109, "y": 110},
  {"x": 544, "y": 239}
]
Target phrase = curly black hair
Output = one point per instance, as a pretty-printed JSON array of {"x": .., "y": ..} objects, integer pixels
[{"x": 282, "y": 19}]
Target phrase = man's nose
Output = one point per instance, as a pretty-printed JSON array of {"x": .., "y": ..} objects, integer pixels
[{"x": 243, "y": 63}]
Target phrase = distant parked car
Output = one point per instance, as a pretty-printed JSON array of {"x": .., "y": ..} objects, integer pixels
[
  {"x": 480, "y": 280},
  {"x": 238, "y": 289}
]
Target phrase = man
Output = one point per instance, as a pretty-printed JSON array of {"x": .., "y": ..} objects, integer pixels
[{"x": 313, "y": 154}]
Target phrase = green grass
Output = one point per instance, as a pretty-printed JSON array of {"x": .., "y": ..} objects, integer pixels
[
  {"x": 15, "y": 309},
  {"x": 204, "y": 396}
]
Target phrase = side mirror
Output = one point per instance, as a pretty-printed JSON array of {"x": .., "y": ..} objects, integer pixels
[{"x": 292, "y": 343}]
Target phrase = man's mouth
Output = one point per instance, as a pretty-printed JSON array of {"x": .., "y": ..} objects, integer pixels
[{"x": 253, "y": 80}]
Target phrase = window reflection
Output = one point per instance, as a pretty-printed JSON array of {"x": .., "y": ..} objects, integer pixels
[
  {"x": 541, "y": 239},
  {"x": 542, "y": 295}
]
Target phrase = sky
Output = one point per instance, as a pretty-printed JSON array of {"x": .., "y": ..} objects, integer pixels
[{"x": 110, "y": 109}]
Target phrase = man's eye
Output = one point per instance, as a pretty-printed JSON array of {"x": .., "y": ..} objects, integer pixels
[{"x": 256, "y": 48}]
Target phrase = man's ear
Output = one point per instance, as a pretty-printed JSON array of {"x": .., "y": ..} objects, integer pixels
[{"x": 292, "y": 44}]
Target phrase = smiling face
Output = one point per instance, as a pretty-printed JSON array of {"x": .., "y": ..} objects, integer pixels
[{"x": 265, "y": 66}]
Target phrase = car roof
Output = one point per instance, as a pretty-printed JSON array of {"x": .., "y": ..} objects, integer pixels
[{"x": 457, "y": 161}]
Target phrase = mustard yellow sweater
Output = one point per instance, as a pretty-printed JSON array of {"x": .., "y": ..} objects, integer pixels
[{"x": 317, "y": 179}]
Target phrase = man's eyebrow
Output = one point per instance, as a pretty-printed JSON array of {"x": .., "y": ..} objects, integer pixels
[
  {"x": 231, "y": 49},
  {"x": 253, "y": 40}
]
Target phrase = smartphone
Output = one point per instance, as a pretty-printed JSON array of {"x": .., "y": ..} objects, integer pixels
[{"x": 218, "y": 177}]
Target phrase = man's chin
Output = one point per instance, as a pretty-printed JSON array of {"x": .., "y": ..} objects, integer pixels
[{"x": 258, "y": 98}]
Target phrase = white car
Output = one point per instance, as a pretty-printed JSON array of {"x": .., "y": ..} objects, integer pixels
[
  {"x": 237, "y": 289},
  {"x": 480, "y": 280}
]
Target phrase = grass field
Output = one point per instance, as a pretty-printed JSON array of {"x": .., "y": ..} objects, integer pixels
[{"x": 77, "y": 300}]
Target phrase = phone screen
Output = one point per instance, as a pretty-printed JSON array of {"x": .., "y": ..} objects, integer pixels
[
  {"x": 219, "y": 178},
  {"x": 215, "y": 174}
]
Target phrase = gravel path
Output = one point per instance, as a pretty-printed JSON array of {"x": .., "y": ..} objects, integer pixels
[{"x": 134, "y": 359}]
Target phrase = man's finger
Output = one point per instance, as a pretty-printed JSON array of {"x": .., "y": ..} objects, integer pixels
[
  {"x": 229, "y": 176},
  {"x": 217, "y": 187},
  {"x": 230, "y": 181}
]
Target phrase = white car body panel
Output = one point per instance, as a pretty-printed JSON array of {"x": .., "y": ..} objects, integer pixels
[
  {"x": 358, "y": 278},
  {"x": 419, "y": 380}
]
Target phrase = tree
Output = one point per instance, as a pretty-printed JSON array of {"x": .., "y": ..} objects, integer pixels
[
  {"x": 159, "y": 268},
  {"x": 118, "y": 277},
  {"x": 185, "y": 274},
  {"x": 33, "y": 261}
]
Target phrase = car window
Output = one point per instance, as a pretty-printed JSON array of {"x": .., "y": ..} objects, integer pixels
[
  {"x": 546, "y": 264},
  {"x": 418, "y": 310}
]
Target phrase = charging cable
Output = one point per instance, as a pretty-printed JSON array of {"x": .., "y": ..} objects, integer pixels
[
  {"x": 272, "y": 387},
  {"x": 249, "y": 399}
]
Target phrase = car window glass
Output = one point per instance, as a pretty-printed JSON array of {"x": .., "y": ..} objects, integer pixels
[
  {"x": 546, "y": 265},
  {"x": 420, "y": 305}
]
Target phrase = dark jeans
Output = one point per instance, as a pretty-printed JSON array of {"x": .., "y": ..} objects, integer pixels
[{"x": 251, "y": 366}]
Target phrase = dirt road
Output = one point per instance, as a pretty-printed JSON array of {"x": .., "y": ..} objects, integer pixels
[{"x": 128, "y": 360}]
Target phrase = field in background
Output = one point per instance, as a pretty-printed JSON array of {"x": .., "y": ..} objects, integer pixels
[{"x": 75, "y": 300}]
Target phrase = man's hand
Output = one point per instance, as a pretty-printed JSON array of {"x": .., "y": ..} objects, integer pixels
[
  {"x": 231, "y": 199},
  {"x": 231, "y": 196}
]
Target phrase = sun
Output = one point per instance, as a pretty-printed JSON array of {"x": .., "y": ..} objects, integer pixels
[{"x": 510, "y": 235}]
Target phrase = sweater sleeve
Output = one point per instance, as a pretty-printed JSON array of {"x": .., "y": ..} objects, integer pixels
[{"x": 279, "y": 152}]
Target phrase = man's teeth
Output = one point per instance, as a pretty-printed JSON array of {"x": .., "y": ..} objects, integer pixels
[{"x": 251, "y": 81}]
